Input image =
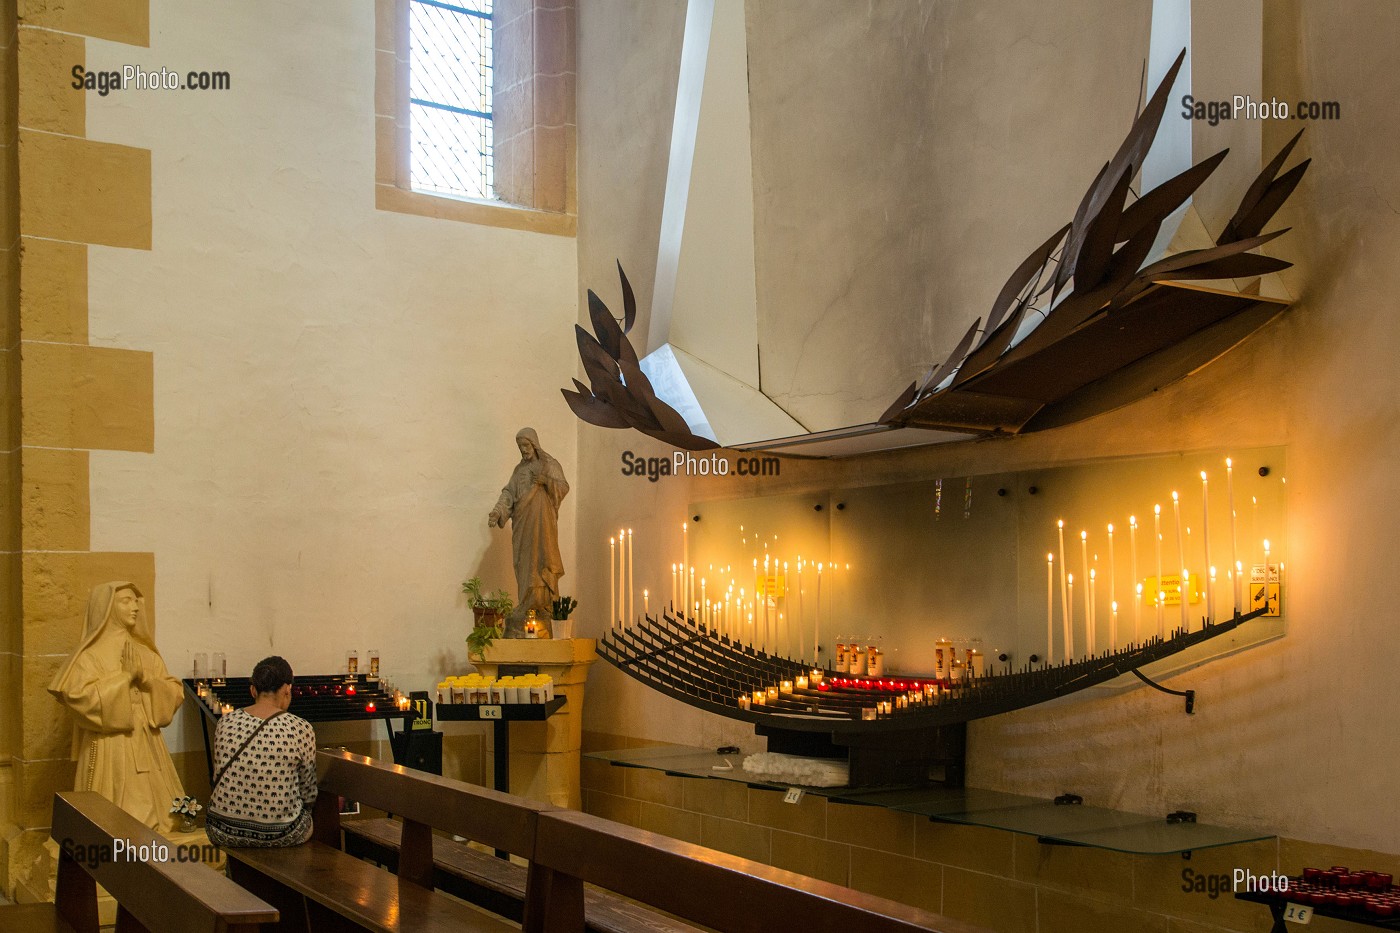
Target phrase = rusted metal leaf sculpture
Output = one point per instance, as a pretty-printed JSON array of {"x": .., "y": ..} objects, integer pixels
[
  {"x": 619, "y": 395},
  {"x": 1090, "y": 331}
]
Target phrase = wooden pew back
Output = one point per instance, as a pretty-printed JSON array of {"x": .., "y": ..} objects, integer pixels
[
  {"x": 150, "y": 895},
  {"x": 701, "y": 885},
  {"x": 499, "y": 820}
]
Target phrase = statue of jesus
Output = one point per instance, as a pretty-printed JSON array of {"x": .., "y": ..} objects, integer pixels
[{"x": 531, "y": 501}]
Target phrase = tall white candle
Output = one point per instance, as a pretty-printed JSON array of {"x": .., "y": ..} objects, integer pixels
[
  {"x": 1157, "y": 533},
  {"x": 801, "y": 653},
  {"x": 646, "y": 602},
  {"x": 1089, "y": 616},
  {"x": 622, "y": 576},
  {"x": 1181, "y": 556},
  {"x": 1137, "y": 614},
  {"x": 1064, "y": 592},
  {"x": 1088, "y": 599},
  {"x": 630, "y": 589},
  {"x": 673, "y": 587},
  {"x": 704, "y": 620},
  {"x": 1234, "y": 542},
  {"x": 816, "y": 649},
  {"x": 690, "y": 592},
  {"x": 1205, "y": 542},
  {"x": 1112, "y": 577},
  {"x": 1132, "y": 549},
  {"x": 1050, "y": 608},
  {"x": 1113, "y": 627},
  {"x": 612, "y": 582},
  {"x": 767, "y": 593},
  {"x": 1210, "y": 594},
  {"x": 685, "y": 565},
  {"x": 1069, "y": 605}
]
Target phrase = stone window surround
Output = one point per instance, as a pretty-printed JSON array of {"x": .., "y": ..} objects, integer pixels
[{"x": 536, "y": 134}]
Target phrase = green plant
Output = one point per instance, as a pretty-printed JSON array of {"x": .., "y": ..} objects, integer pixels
[
  {"x": 490, "y": 610},
  {"x": 479, "y": 639},
  {"x": 563, "y": 606}
]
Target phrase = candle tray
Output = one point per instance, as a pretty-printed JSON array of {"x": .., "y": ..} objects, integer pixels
[{"x": 699, "y": 667}]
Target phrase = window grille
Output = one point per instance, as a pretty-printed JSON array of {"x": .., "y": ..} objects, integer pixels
[{"x": 450, "y": 98}]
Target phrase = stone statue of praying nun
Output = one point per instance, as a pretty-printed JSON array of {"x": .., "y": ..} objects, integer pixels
[
  {"x": 119, "y": 696},
  {"x": 531, "y": 501}
]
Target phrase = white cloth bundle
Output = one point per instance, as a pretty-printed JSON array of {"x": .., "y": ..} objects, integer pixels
[{"x": 794, "y": 769}]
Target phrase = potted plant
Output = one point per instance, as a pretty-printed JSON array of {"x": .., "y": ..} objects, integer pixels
[
  {"x": 562, "y": 627},
  {"x": 490, "y": 612}
]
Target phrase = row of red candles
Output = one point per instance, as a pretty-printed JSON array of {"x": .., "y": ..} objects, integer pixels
[{"x": 1369, "y": 891}]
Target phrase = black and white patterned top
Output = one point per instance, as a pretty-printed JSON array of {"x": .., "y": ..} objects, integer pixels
[{"x": 275, "y": 775}]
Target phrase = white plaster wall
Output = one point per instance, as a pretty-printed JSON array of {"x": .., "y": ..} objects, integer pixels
[
  {"x": 1292, "y": 737},
  {"x": 337, "y": 388}
]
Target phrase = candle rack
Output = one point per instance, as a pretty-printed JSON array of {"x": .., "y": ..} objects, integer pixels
[{"x": 699, "y": 667}]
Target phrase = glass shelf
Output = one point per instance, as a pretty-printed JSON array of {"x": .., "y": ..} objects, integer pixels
[{"x": 1051, "y": 823}]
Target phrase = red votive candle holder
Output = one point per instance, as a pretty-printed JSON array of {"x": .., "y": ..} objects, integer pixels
[
  {"x": 1378, "y": 881},
  {"x": 369, "y": 707}
]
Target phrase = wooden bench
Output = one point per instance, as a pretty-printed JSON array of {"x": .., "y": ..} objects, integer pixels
[
  {"x": 319, "y": 887},
  {"x": 151, "y": 895},
  {"x": 710, "y": 888},
  {"x": 497, "y": 884}
]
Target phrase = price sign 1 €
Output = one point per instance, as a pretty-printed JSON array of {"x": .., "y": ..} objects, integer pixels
[{"x": 1298, "y": 913}]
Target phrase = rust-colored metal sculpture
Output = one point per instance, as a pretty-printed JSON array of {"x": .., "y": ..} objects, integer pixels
[
  {"x": 620, "y": 395},
  {"x": 1111, "y": 330}
]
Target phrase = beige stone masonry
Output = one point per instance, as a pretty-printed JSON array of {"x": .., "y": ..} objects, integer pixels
[{"x": 544, "y": 756}]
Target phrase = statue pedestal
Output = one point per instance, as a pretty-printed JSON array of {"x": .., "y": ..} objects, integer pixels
[{"x": 544, "y": 756}]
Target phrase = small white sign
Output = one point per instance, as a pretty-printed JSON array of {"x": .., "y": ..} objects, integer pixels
[
  {"x": 1298, "y": 913},
  {"x": 793, "y": 795},
  {"x": 490, "y": 712}
]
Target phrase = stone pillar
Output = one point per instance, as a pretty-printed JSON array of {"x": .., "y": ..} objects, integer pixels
[
  {"x": 544, "y": 756},
  {"x": 64, "y": 397}
]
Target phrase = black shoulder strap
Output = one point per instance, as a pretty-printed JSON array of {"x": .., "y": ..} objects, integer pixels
[{"x": 220, "y": 776}]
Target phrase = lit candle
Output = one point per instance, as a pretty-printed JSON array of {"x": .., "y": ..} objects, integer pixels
[
  {"x": 1089, "y": 620},
  {"x": 1050, "y": 608},
  {"x": 685, "y": 563},
  {"x": 744, "y": 702},
  {"x": 1137, "y": 614},
  {"x": 785, "y": 687},
  {"x": 816, "y": 635},
  {"x": 801, "y": 682},
  {"x": 1239, "y": 581},
  {"x": 1180, "y": 555},
  {"x": 646, "y": 603},
  {"x": 1234, "y": 543},
  {"x": 772, "y": 693},
  {"x": 1255, "y": 513},
  {"x": 1113, "y": 625},
  {"x": 1064, "y": 595},
  {"x": 673, "y": 586},
  {"x": 1089, "y": 600},
  {"x": 760, "y": 697},
  {"x": 1205, "y": 542},
  {"x": 1069, "y": 608},
  {"x": 690, "y": 591},
  {"x": 612, "y": 582},
  {"x": 704, "y": 602},
  {"x": 1267, "y": 576},
  {"x": 630, "y": 589},
  {"x": 1112, "y": 577},
  {"x": 1157, "y": 533}
]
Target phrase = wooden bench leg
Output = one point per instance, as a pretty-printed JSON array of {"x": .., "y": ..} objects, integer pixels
[
  {"x": 290, "y": 905},
  {"x": 76, "y": 895},
  {"x": 126, "y": 923},
  {"x": 553, "y": 902}
]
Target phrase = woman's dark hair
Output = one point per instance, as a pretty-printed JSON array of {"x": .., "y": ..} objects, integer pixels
[{"x": 270, "y": 674}]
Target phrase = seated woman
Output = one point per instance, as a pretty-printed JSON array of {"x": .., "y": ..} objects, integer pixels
[{"x": 265, "y": 767}]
